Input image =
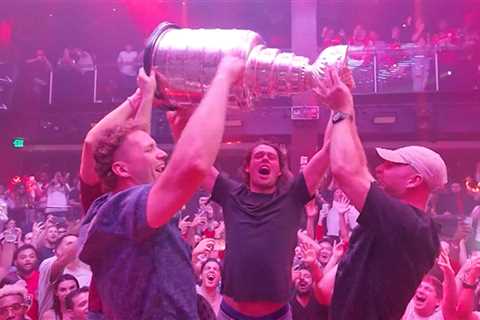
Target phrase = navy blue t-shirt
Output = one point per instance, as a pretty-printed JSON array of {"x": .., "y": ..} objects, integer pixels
[
  {"x": 261, "y": 234},
  {"x": 390, "y": 251},
  {"x": 139, "y": 272}
]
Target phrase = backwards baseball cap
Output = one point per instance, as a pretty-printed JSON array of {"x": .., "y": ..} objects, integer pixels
[{"x": 426, "y": 162}]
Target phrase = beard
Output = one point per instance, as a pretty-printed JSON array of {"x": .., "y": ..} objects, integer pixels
[
  {"x": 304, "y": 292},
  {"x": 23, "y": 270}
]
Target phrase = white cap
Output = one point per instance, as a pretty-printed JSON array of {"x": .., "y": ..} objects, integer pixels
[{"x": 426, "y": 162}]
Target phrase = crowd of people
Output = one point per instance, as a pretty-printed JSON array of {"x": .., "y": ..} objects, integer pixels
[
  {"x": 331, "y": 242},
  {"x": 407, "y": 46},
  {"x": 441, "y": 35},
  {"x": 310, "y": 246}
]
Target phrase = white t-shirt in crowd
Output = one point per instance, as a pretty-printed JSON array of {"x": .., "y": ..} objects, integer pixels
[
  {"x": 333, "y": 220},
  {"x": 126, "y": 63},
  {"x": 57, "y": 199},
  {"x": 78, "y": 269},
  {"x": 411, "y": 315}
]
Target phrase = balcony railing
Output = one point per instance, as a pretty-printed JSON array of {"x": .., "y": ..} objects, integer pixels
[
  {"x": 381, "y": 70},
  {"x": 410, "y": 68}
]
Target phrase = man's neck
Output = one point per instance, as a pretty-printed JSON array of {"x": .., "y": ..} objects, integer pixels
[
  {"x": 49, "y": 245},
  {"x": 424, "y": 313},
  {"x": 268, "y": 190},
  {"x": 303, "y": 299},
  {"x": 417, "y": 199},
  {"x": 210, "y": 293},
  {"x": 25, "y": 274},
  {"x": 122, "y": 185}
]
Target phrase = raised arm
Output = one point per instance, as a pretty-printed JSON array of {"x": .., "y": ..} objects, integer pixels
[
  {"x": 311, "y": 261},
  {"x": 137, "y": 106},
  {"x": 177, "y": 124},
  {"x": 467, "y": 290},
  {"x": 6, "y": 257},
  {"x": 347, "y": 156},
  {"x": 311, "y": 211},
  {"x": 196, "y": 149},
  {"x": 315, "y": 169},
  {"x": 449, "y": 301}
]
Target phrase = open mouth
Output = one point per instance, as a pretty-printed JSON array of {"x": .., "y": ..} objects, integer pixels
[
  {"x": 302, "y": 285},
  {"x": 324, "y": 256},
  {"x": 264, "y": 170},
  {"x": 211, "y": 277},
  {"x": 420, "y": 299},
  {"x": 160, "y": 169}
]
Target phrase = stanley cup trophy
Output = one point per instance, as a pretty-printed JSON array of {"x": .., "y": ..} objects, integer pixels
[{"x": 186, "y": 61}]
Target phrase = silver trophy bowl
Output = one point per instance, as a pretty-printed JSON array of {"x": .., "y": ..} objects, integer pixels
[{"x": 186, "y": 60}]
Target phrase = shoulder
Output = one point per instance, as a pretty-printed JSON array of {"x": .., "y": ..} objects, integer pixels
[
  {"x": 49, "y": 315},
  {"x": 122, "y": 199},
  {"x": 223, "y": 183},
  {"x": 378, "y": 199},
  {"x": 46, "y": 264}
]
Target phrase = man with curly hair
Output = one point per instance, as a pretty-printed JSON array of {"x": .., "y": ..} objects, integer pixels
[{"x": 132, "y": 244}]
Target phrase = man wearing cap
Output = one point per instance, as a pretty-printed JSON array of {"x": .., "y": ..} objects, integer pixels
[{"x": 395, "y": 243}]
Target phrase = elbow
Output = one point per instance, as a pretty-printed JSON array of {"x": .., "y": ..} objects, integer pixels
[
  {"x": 89, "y": 139},
  {"x": 199, "y": 168},
  {"x": 343, "y": 171}
]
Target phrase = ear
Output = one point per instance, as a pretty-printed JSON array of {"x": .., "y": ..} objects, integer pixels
[
  {"x": 414, "y": 181},
  {"x": 120, "y": 169}
]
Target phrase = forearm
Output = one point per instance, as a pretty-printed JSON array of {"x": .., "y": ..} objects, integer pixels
[
  {"x": 316, "y": 168},
  {"x": 449, "y": 303},
  {"x": 346, "y": 150},
  {"x": 117, "y": 116},
  {"x": 331, "y": 264},
  {"x": 6, "y": 256},
  {"x": 466, "y": 298},
  {"x": 344, "y": 232},
  {"x": 348, "y": 162},
  {"x": 317, "y": 275},
  {"x": 462, "y": 256},
  {"x": 144, "y": 113},
  {"x": 326, "y": 285},
  {"x": 87, "y": 164},
  {"x": 200, "y": 141},
  {"x": 57, "y": 268},
  {"x": 194, "y": 153},
  {"x": 311, "y": 227},
  {"x": 465, "y": 303}
]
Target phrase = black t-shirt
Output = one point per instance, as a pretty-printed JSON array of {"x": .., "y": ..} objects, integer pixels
[
  {"x": 390, "y": 251},
  {"x": 312, "y": 311},
  {"x": 261, "y": 234},
  {"x": 45, "y": 253}
]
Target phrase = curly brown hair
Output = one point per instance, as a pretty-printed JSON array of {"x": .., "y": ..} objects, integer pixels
[{"x": 111, "y": 140}]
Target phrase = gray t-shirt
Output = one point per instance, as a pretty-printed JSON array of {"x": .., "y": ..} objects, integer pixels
[{"x": 139, "y": 272}]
